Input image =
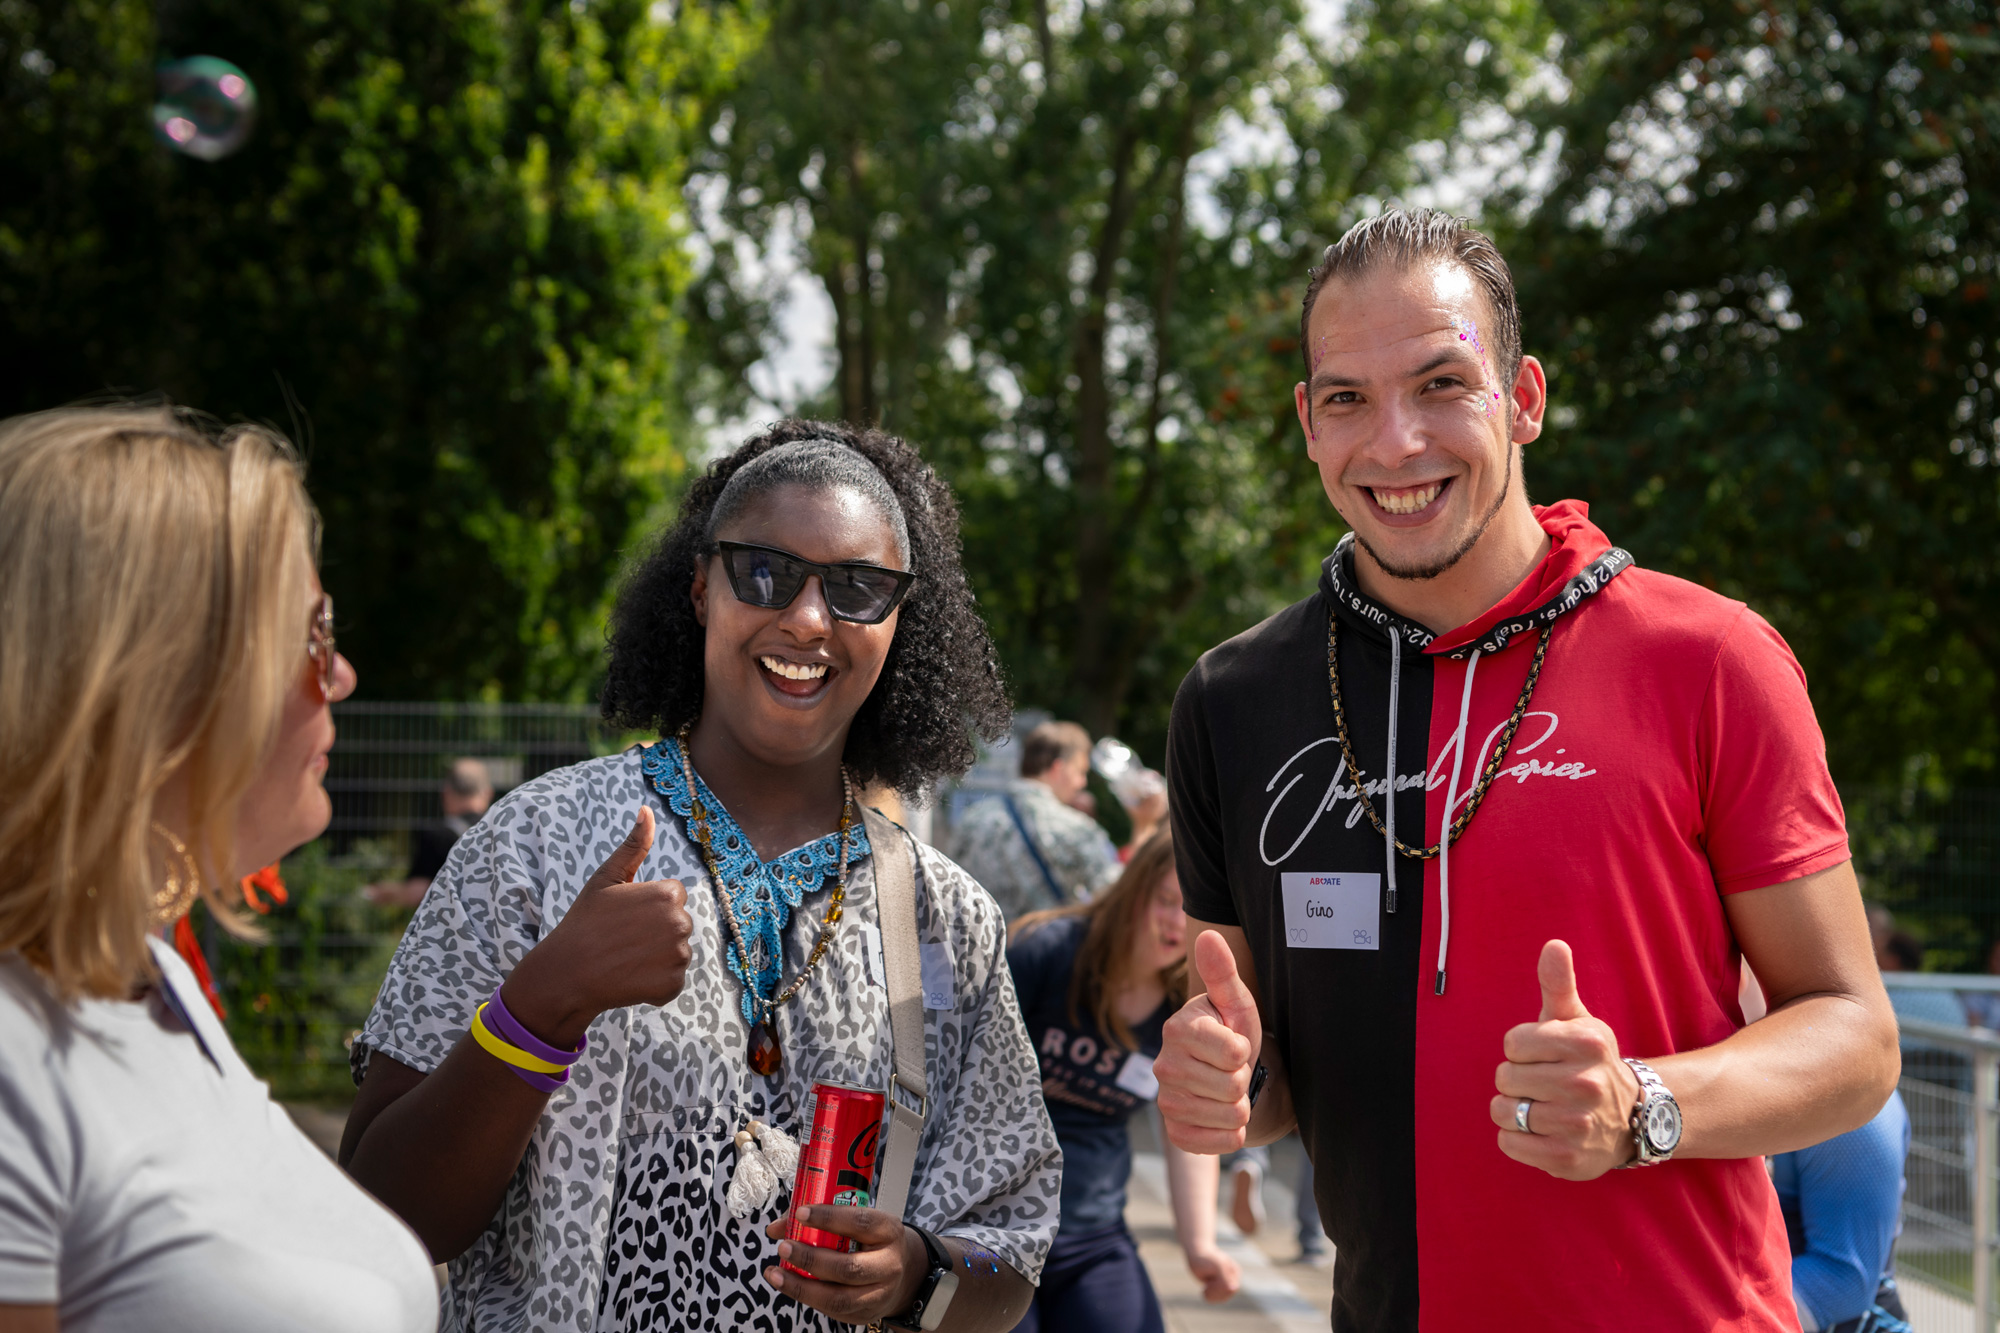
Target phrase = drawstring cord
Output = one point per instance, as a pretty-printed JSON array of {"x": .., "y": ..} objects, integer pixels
[
  {"x": 1450, "y": 800},
  {"x": 1395, "y": 683}
]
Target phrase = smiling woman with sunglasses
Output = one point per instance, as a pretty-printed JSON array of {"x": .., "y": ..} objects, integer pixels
[
  {"x": 166, "y": 666},
  {"x": 685, "y": 938}
]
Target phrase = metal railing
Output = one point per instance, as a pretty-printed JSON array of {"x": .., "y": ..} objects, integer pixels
[
  {"x": 1949, "y": 1217},
  {"x": 1951, "y": 981}
]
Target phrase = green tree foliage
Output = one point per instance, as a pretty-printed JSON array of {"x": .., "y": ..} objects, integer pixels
[
  {"x": 1764, "y": 282},
  {"x": 1043, "y": 274},
  {"x": 449, "y": 257}
]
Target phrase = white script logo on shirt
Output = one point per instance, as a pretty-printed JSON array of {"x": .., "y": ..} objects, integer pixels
[{"x": 1337, "y": 790}]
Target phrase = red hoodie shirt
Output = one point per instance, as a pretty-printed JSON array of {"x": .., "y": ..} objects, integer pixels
[{"x": 1695, "y": 769}]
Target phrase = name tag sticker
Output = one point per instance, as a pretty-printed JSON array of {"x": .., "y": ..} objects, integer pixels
[
  {"x": 1137, "y": 1077},
  {"x": 1332, "y": 911},
  {"x": 939, "y": 992},
  {"x": 871, "y": 951}
]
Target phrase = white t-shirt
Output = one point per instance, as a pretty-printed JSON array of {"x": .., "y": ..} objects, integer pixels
[{"x": 149, "y": 1184}]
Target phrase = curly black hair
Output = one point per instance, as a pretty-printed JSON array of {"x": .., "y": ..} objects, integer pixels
[{"x": 941, "y": 682}]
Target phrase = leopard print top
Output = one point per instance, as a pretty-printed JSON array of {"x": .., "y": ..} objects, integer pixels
[{"x": 615, "y": 1219}]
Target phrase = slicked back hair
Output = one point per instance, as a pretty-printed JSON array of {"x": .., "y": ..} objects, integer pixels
[{"x": 1404, "y": 238}]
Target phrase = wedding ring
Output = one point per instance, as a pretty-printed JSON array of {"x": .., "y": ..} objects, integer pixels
[{"x": 1521, "y": 1115}]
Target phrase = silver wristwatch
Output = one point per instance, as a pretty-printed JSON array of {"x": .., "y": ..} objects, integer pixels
[{"x": 1656, "y": 1120}]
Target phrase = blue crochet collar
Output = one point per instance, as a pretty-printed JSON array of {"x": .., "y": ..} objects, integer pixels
[{"x": 761, "y": 893}]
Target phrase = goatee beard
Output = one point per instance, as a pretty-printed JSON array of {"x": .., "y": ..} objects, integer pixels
[{"x": 1417, "y": 573}]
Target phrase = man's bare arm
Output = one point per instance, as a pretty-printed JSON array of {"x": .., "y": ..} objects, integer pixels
[{"x": 1824, "y": 1058}]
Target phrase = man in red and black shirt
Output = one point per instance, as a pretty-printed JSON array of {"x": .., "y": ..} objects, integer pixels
[{"x": 1480, "y": 831}]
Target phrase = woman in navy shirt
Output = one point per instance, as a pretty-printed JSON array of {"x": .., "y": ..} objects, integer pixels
[{"x": 1096, "y": 983}]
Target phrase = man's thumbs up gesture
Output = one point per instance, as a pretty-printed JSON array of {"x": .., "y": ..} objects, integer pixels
[
  {"x": 1207, "y": 1054},
  {"x": 1566, "y": 1067},
  {"x": 621, "y": 943}
]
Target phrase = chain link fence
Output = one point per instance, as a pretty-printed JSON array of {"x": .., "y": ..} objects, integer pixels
[
  {"x": 294, "y": 1000},
  {"x": 389, "y": 761}
]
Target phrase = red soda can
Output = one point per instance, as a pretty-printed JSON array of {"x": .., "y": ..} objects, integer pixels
[{"x": 837, "y": 1163}]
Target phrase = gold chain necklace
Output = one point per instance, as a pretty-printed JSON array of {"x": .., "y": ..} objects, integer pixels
[
  {"x": 764, "y": 1054},
  {"x": 1486, "y": 776}
]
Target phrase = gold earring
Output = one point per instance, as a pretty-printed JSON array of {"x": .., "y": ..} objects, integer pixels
[{"x": 173, "y": 900}]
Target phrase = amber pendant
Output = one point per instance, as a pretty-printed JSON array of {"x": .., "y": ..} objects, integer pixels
[{"x": 765, "y": 1055}]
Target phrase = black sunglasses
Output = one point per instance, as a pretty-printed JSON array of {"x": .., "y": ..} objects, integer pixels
[{"x": 767, "y": 577}]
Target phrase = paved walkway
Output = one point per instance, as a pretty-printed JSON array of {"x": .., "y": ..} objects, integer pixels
[{"x": 1278, "y": 1295}]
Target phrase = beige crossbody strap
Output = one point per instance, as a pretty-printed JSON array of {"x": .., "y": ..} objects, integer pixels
[{"x": 902, "y": 961}]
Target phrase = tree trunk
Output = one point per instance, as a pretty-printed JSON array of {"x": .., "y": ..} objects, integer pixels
[
  {"x": 1107, "y": 646},
  {"x": 1096, "y": 500},
  {"x": 850, "y": 286}
]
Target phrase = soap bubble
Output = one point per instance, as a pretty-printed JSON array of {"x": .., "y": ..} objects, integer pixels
[{"x": 206, "y": 107}]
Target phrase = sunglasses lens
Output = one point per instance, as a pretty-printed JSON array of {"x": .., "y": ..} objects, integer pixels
[
  {"x": 764, "y": 578},
  {"x": 772, "y": 579},
  {"x": 861, "y": 594}
]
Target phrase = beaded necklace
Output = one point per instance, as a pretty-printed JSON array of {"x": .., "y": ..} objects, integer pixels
[
  {"x": 764, "y": 1054},
  {"x": 1486, "y": 776}
]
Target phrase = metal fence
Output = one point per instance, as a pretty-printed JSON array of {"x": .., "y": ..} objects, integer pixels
[
  {"x": 1949, "y": 1203},
  {"x": 389, "y": 760}
]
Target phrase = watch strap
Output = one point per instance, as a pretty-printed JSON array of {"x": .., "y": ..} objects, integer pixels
[
  {"x": 1649, "y": 1081},
  {"x": 934, "y": 1247},
  {"x": 940, "y": 1264}
]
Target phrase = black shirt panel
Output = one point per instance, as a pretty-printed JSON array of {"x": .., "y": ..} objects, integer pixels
[
  {"x": 1081, "y": 1066},
  {"x": 1259, "y": 790}
]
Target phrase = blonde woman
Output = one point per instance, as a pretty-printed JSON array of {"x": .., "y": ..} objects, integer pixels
[{"x": 166, "y": 666}]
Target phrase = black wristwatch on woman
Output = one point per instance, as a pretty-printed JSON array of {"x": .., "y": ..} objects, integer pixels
[{"x": 934, "y": 1293}]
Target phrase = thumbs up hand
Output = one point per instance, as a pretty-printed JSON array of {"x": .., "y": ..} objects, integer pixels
[
  {"x": 1207, "y": 1054},
  {"x": 1566, "y": 1065},
  {"x": 621, "y": 943}
]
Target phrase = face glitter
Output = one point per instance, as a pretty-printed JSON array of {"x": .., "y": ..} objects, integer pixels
[{"x": 1468, "y": 332}]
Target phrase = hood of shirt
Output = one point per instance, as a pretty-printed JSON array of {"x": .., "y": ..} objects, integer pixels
[{"x": 1580, "y": 562}]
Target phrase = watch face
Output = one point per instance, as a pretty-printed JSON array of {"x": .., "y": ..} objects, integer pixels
[{"x": 1663, "y": 1125}]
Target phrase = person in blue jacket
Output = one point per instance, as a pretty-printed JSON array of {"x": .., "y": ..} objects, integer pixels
[{"x": 1842, "y": 1201}]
